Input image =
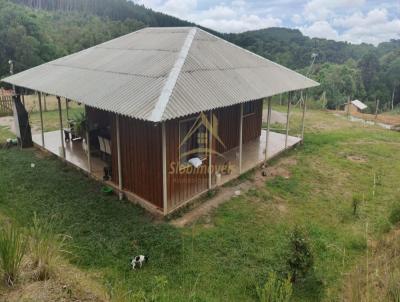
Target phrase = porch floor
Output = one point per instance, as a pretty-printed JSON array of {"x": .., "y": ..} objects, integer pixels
[
  {"x": 74, "y": 152},
  {"x": 254, "y": 153}
]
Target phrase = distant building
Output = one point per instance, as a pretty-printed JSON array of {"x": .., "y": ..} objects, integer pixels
[{"x": 355, "y": 106}]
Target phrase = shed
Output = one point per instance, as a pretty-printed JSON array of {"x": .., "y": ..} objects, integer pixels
[
  {"x": 355, "y": 106},
  {"x": 174, "y": 111}
]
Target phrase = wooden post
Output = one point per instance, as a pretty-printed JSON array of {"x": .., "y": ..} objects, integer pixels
[
  {"x": 45, "y": 102},
  {"x": 377, "y": 108},
  {"x": 120, "y": 194},
  {"x": 88, "y": 150},
  {"x": 67, "y": 108},
  {"x": 241, "y": 139},
  {"x": 61, "y": 127},
  {"x": 210, "y": 139},
  {"x": 303, "y": 117},
  {"x": 268, "y": 127},
  {"x": 287, "y": 120},
  {"x": 348, "y": 106},
  {"x": 41, "y": 117},
  {"x": 23, "y": 99},
  {"x": 164, "y": 168}
]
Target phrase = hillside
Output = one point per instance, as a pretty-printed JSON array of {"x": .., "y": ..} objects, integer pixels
[{"x": 36, "y": 31}]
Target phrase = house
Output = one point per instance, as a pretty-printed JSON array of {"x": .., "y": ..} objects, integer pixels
[
  {"x": 354, "y": 107},
  {"x": 173, "y": 111}
]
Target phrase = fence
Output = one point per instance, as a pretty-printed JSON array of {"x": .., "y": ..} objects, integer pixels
[{"x": 6, "y": 105}]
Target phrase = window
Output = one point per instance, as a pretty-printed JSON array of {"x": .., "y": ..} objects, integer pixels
[
  {"x": 249, "y": 108},
  {"x": 193, "y": 140}
]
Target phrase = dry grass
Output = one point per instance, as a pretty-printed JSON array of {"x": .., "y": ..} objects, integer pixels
[{"x": 380, "y": 279}]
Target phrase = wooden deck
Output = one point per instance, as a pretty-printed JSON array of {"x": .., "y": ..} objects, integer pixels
[
  {"x": 74, "y": 153},
  {"x": 254, "y": 153}
]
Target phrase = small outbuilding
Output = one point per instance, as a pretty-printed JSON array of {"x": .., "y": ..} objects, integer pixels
[
  {"x": 170, "y": 112},
  {"x": 355, "y": 106}
]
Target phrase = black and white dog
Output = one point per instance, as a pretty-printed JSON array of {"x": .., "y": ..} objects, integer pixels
[{"x": 138, "y": 261}]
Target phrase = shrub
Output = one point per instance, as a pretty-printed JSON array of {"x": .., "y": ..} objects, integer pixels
[
  {"x": 356, "y": 202},
  {"x": 46, "y": 248},
  {"x": 275, "y": 290},
  {"x": 300, "y": 258},
  {"x": 394, "y": 217},
  {"x": 12, "y": 250}
]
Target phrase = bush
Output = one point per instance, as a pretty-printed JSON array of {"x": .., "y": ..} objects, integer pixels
[
  {"x": 275, "y": 290},
  {"x": 300, "y": 258},
  {"x": 12, "y": 250},
  {"x": 46, "y": 248},
  {"x": 394, "y": 217}
]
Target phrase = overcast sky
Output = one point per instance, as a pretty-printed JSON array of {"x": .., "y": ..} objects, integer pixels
[{"x": 356, "y": 21}]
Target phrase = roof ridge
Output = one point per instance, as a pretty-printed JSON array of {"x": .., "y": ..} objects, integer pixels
[{"x": 166, "y": 92}]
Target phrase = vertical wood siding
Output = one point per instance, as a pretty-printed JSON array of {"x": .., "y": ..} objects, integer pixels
[
  {"x": 141, "y": 154},
  {"x": 182, "y": 183},
  {"x": 182, "y": 186}
]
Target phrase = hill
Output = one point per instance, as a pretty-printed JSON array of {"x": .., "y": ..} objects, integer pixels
[{"x": 36, "y": 31}]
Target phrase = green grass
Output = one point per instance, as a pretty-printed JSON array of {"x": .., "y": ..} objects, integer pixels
[{"x": 249, "y": 236}]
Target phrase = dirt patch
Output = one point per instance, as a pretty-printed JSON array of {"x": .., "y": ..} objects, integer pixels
[
  {"x": 276, "y": 117},
  {"x": 357, "y": 158},
  {"x": 68, "y": 284}
]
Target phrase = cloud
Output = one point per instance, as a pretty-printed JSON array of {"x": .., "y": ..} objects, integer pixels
[
  {"x": 320, "y": 29},
  {"x": 355, "y": 21},
  {"x": 373, "y": 27},
  {"x": 240, "y": 23},
  {"x": 323, "y": 9}
]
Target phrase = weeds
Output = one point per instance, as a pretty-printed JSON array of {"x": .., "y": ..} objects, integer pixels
[
  {"x": 46, "y": 248},
  {"x": 275, "y": 290},
  {"x": 12, "y": 251}
]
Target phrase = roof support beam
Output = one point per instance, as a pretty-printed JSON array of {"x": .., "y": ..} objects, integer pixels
[
  {"x": 120, "y": 194},
  {"x": 303, "y": 116},
  {"x": 61, "y": 128},
  {"x": 67, "y": 108},
  {"x": 164, "y": 167},
  {"x": 210, "y": 146},
  {"x": 268, "y": 127},
  {"x": 241, "y": 139},
  {"x": 288, "y": 119},
  {"x": 41, "y": 117}
]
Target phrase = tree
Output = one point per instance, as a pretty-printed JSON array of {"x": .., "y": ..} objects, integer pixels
[{"x": 369, "y": 67}]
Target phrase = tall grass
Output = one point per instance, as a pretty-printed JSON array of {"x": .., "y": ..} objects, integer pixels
[
  {"x": 46, "y": 248},
  {"x": 275, "y": 290},
  {"x": 12, "y": 250}
]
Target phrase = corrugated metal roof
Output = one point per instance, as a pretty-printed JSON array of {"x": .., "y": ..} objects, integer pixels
[
  {"x": 130, "y": 75},
  {"x": 360, "y": 105}
]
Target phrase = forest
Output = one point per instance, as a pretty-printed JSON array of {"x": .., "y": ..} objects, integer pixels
[{"x": 36, "y": 31}]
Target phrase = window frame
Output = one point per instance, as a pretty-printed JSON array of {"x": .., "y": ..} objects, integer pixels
[
  {"x": 185, "y": 165},
  {"x": 252, "y": 107}
]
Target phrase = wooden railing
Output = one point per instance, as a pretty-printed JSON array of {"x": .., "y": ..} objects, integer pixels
[{"x": 6, "y": 105}]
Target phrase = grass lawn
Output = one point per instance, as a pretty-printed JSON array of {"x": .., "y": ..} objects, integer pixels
[{"x": 247, "y": 237}]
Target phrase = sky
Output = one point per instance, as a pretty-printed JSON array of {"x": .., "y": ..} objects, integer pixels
[{"x": 355, "y": 21}]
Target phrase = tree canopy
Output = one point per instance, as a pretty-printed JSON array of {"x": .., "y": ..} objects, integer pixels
[{"x": 36, "y": 31}]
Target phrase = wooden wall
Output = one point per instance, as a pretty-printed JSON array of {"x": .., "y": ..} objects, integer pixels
[
  {"x": 229, "y": 126},
  {"x": 182, "y": 183},
  {"x": 141, "y": 159},
  {"x": 182, "y": 186},
  {"x": 141, "y": 154}
]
